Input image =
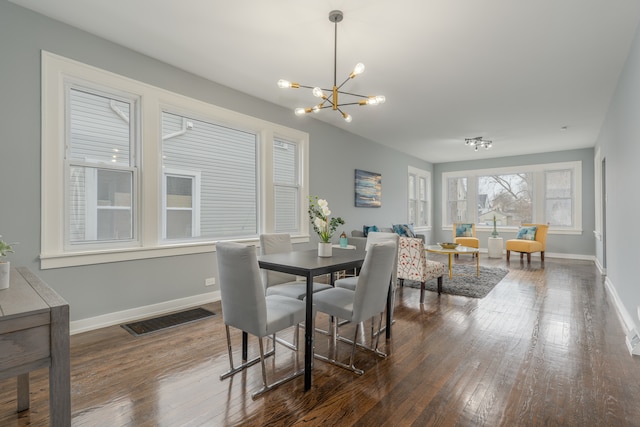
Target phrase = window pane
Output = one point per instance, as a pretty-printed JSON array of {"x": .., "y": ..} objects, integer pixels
[
  {"x": 508, "y": 197},
  {"x": 100, "y": 202},
  {"x": 456, "y": 200},
  {"x": 412, "y": 186},
  {"x": 559, "y": 196},
  {"x": 422, "y": 194},
  {"x": 286, "y": 200},
  {"x": 179, "y": 223},
  {"x": 99, "y": 129},
  {"x": 286, "y": 186},
  {"x": 226, "y": 160},
  {"x": 412, "y": 211},
  {"x": 179, "y": 192}
]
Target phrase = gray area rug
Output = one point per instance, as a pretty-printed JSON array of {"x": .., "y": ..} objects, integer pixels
[{"x": 468, "y": 285}]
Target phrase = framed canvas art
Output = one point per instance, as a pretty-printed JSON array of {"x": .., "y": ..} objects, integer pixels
[{"x": 368, "y": 189}]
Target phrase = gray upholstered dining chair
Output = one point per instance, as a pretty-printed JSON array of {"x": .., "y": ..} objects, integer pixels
[
  {"x": 245, "y": 306},
  {"x": 367, "y": 300},
  {"x": 282, "y": 283},
  {"x": 375, "y": 237}
]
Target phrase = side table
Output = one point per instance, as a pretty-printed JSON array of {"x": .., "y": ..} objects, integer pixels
[
  {"x": 495, "y": 247},
  {"x": 34, "y": 334}
]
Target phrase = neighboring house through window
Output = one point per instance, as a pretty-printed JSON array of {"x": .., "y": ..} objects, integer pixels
[{"x": 209, "y": 174}]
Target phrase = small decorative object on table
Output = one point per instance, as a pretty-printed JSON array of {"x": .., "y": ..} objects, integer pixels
[
  {"x": 323, "y": 225},
  {"x": 448, "y": 245},
  {"x": 344, "y": 242},
  {"x": 5, "y": 266},
  {"x": 495, "y": 232}
]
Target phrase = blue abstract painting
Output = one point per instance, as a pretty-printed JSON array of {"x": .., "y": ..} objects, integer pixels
[{"x": 368, "y": 189}]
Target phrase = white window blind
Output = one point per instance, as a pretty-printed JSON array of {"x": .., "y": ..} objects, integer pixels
[{"x": 286, "y": 182}]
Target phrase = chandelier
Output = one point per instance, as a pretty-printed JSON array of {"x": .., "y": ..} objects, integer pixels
[
  {"x": 330, "y": 96},
  {"x": 478, "y": 142}
]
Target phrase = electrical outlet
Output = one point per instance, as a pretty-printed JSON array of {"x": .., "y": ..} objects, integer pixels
[{"x": 210, "y": 281}]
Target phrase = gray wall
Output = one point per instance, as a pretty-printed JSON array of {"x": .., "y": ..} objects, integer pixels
[
  {"x": 556, "y": 243},
  {"x": 107, "y": 288},
  {"x": 619, "y": 144}
]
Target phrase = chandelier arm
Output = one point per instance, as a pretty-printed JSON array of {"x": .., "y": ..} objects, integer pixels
[
  {"x": 348, "y": 103},
  {"x": 353, "y": 94}
]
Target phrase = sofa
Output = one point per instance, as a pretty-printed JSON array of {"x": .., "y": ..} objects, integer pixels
[{"x": 359, "y": 240}]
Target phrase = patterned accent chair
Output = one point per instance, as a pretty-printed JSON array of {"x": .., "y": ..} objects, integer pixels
[
  {"x": 414, "y": 265},
  {"x": 465, "y": 235},
  {"x": 524, "y": 244}
]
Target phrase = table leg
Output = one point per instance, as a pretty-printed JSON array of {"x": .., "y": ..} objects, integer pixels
[
  {"x": 450, "y": 266},
  {"x": 245, "y": 339},
  {"x": 389, "y": 307},
  {"x": 23, "y": 392},
  {"x": 308, "y": 334},
  {"x": 478, "y": 264}
]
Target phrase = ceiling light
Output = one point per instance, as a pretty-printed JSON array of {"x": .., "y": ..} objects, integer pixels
[
  {"x": 478, "y": 142},
  {"x": 330, "y": 96}
]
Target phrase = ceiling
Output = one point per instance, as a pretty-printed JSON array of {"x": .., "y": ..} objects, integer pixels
[{"x": 514, "y": 72}]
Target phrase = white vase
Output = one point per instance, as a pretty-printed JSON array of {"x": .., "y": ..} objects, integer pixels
[
  {"x": 324, "y": 249},
  {"x": 4, "y": 274}
]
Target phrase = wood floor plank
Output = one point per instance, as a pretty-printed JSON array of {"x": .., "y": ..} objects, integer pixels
[{"x": 545, "y": 347}]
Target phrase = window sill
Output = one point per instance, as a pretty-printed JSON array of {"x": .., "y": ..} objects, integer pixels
[{"x": 73, "y": 259}]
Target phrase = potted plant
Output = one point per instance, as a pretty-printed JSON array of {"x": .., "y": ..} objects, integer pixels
[
  {"x": 323, "y": 225},
  {"x": 5, "y": 266}
]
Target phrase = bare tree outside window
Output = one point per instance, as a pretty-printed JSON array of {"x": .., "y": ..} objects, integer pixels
[{"x": 508, "y": 197}]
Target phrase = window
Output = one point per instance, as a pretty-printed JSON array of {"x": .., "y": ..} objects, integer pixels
[
  {"x": 100, "y": 166},
  {"x": 209, "y": 174},
  {"x": 548, "y": 193},
  {"x": 286, "y": 183},
  {"x": 419, "y": 194},
  {"x": 225, "y": 160}
]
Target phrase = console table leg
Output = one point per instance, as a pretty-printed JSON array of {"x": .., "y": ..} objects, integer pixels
[{"x": 23, "y": 392}]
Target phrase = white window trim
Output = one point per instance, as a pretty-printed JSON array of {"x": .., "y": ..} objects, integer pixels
[
  {"x": 538, "y": 193},
  {"x": 421, "y": 173},
  {"x": 56, "y": 70}
]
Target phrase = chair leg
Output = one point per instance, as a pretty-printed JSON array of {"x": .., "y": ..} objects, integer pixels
[
  {"x": 508, "y": 255},
  {"x": 439, "y": 285},
  {"x": 401, "y": 283},
  {"x": 234, "y": 370},
  {"x": 521, "y": 255},
  {"x": 542, "y": 256},
  {"x": 265, "y": 386},
  {"x": 528, "y": 257},
  {"x": 421, "y": 292}
]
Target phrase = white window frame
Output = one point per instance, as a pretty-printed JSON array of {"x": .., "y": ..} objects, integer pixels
[
  {"x": 426, "y": 175},
  {"x": 539, "y": 196},
  {"x": 297, "y": 185},
  {"x": 56, "y": 72}
]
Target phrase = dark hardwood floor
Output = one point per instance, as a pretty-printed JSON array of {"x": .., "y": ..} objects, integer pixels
[{"x": 544, "y": 348}]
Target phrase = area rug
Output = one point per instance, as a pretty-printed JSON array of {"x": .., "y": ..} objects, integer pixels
[
  {"x": 468, "y": 285},
  {"x": 168, "y": 321}
]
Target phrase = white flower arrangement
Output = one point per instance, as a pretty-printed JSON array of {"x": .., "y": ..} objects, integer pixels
[{"x": 319, "y": 213}]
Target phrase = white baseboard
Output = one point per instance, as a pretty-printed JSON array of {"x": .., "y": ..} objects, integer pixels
[
  {"x": 110, "y": 319},
  {"x": 626, "y": 320}
]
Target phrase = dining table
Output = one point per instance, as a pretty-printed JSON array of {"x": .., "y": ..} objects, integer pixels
[{"x": 308, "y": 264}]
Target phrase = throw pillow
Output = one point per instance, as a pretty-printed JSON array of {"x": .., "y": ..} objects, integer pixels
[
  {"x": 369, "y": 228},
  {"x": 527, "y": 233},
  {"x": 405, "y": 230},
  {"x": 464, "y": 230}
]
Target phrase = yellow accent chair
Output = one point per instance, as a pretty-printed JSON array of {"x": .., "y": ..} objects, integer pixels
[
  {"x": 465, "y": 235},
  {"x": 527, "y": 242}
]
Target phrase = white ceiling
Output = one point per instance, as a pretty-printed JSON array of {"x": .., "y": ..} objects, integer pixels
[{"x": 514, "y": 72}]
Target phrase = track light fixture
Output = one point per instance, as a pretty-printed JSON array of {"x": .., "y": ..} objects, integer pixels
[
  {"x": 330, "y": 96},
  {"x": 478, "y": 142}
]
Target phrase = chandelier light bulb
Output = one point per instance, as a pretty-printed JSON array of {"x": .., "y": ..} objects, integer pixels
[
  {"x": 317, "y": 92},
  {"x": 315, "y": 108},
  {"x": 284, "y": 84},
  {"x": 300, "y": 111},
  {"x": 347, "y": 117},
  {"x": 381, "y": 99},
  {"x": 358, "y": 69}
]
